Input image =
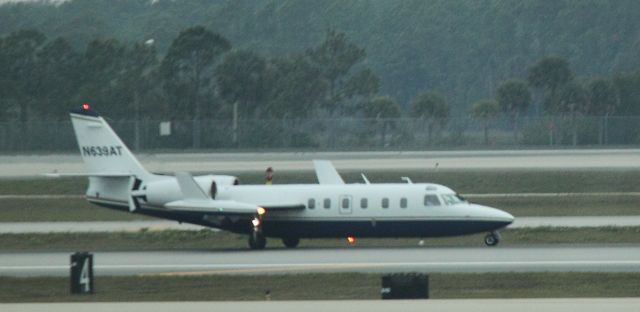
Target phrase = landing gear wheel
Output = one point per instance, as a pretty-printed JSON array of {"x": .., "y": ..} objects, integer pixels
[
  {"x": 257, "y": 240},
  {"x": 492, "y": 239},
  {"x": 291, "y": 242}
]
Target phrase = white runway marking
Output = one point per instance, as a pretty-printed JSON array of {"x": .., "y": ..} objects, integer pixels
[
  {"x": 442, "y": 305},
  {"x": 329, "y": 266}
]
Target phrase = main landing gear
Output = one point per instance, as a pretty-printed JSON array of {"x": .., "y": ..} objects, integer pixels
[
  {"x": 492, "y": 239},
  {"x": 256, "y": 238}
]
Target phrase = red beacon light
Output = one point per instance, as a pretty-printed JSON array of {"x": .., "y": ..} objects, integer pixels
[{"x": 85, "y": 106}]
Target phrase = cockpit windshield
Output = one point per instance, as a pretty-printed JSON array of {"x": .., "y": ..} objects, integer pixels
[{"x": 453, "y": 199}]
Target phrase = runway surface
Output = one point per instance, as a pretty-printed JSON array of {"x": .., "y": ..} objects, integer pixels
[
  {"x": 279, "y": 261},
  {"x": 35, "y": 165},
  {"x": 476, "y": 305},
  {"x": 136, "y": 226}
]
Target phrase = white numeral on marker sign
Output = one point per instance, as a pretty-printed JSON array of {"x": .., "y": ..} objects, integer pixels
[{"x": 84, "y": 276}]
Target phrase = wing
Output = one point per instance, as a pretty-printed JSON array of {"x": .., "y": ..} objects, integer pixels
[{"x": 196, "y": 200}]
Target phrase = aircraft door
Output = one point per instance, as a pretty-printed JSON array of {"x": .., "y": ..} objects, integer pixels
[{"x": 345, "y": 203}]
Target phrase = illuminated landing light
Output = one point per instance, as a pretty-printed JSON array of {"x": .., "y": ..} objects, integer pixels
[
  {"x": 85, "y": 106},
  {"x": 261, "y": 211},
  {"x": 351, "y": 240},
  {"x": 255, "y": 222}
]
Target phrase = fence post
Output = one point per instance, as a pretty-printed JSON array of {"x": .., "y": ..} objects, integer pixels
[{"x": 606, "y": 129}]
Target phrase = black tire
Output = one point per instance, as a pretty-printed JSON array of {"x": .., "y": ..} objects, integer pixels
[
  {"x": 291, "y": 242},
  {"x": 257, "y": 241},
  {"x": 491, "y": 239}
]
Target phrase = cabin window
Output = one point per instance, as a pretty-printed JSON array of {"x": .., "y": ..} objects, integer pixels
[
  {"x": 312, "y": 203},
  {"x": 403, "y": 203},
  {"x": 431, "y": 200},
  {"x": 364, "y": 203},
  {"x": 345, "y": 203},
  {"x": 327, "y": 203},
  {"x": 385, "y": 203}
]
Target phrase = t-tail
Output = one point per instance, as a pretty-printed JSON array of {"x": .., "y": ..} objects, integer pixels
[
  {"x": 115, "y": 175},
  {"x": 103, "y": 152}
]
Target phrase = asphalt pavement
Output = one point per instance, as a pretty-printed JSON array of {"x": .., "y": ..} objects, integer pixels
[
  {"x": 373, "y": 260},
  {"x": 36, "y": 165}
]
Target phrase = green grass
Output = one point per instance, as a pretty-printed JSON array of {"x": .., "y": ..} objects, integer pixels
[
  {"x": 463, "y": 181},
  {"x": 209, "y": 240},
  {"x": 37, "y": 186},
  {"x": 473, "y": 182},
  {"x": 578, "y": 205},
  {"x": 56, "y": 209},
  {"x": 319, "y": 287}
]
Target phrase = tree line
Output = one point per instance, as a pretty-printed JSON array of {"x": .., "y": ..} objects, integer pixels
[
  {"x": 462, "y": 48},
  {"x": 552, "y": 89},
  {"x": 202, "y": 76}
]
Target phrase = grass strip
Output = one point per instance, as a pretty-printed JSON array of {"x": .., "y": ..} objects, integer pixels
[
  {"x": 473, "y": 181},
  {"x": 334, "y": 286},
  {"x": 209, "y": 240},
  {"x": 78, "y": 209},
  {"x": 575, "y": 205},
  {"x": 59, "y": 209},
  {"x": 463, "y": 181}
]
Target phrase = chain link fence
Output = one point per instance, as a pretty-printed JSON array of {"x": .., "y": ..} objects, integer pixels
[{"x": 334, "y": 134}]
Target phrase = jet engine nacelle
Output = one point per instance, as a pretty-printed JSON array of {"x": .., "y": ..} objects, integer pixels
[
  {"x": 158, "y": 193},
  {"x": 218, "y": 182}
]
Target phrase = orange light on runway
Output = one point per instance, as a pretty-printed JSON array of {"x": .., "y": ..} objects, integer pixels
[{"x": 351, "y": 240}]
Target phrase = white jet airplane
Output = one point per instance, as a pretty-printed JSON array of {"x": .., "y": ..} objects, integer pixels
[{"x": 288, "y": 211}]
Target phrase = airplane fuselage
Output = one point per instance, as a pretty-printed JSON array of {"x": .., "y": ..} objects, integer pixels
[{"x": 362, "y": 210}]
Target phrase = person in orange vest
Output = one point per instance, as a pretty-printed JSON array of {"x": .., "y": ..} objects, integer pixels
[{"x": 269, "y": 176}]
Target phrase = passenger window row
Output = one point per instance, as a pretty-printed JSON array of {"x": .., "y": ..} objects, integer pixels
[
  {"x": 430, "y": 200},
  {"x": 364, "y": 203}
]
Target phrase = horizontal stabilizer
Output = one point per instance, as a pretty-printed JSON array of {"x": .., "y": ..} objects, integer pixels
[{"x": 326, "y": 172}]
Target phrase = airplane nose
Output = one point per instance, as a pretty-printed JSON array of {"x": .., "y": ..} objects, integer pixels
[
  {"x": 507, "y": 216},
  {"x": 498, "y": 215}
]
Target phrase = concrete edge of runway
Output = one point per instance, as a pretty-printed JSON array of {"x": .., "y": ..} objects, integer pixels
[
  {"x": 478, "y": 305},
  {"x": 36, "y": 165},
  {"x": 163, "y": 225}
]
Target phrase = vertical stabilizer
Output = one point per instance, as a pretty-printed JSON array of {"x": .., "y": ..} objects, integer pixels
[{"x": 102, "y": 150}]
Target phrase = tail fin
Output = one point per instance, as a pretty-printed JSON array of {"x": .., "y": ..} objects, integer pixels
[{"x": 102, "y": 150}]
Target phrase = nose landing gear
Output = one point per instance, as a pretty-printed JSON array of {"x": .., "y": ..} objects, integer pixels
[{"x": 492, "y": 239}]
